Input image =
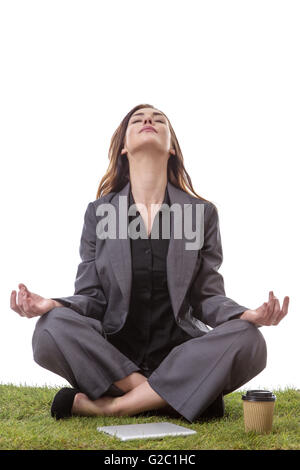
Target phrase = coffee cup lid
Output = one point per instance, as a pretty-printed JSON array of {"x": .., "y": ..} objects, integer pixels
[{"x": 259, "y": 395}]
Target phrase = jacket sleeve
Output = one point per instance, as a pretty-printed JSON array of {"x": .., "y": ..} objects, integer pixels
[
  {"x": 88, "y": 298},
  {"x": 212, "y": 306}
]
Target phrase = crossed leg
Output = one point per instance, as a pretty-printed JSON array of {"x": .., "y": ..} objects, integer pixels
[
  {"x": 190, "y": 377},
  {"x": 140, "y": 397},
  {"x": 228, "y": 357}
]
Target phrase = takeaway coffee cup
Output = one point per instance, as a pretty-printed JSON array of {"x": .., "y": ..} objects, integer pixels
[{"x": 258, "y": 410}]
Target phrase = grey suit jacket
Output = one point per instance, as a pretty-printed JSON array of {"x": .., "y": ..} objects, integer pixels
[{"x": 196, "y": 288}]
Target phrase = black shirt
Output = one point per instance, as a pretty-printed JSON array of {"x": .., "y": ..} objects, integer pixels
[{"x": 150, "y": 330}]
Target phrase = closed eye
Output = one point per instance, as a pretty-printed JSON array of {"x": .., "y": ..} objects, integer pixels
[{"x": 138, "y": 120}]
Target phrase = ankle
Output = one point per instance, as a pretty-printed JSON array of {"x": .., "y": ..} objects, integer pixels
[
  {"x": 137, "y": 378},
  {"x": 79, "y": 399},
  {"x": 118, "y": 407},
  {"x": 130, "y": 382}
]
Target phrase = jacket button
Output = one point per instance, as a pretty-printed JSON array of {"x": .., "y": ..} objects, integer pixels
[{"x": 179, "y": 320}]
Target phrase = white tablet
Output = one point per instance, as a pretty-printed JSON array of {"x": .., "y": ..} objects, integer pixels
[{"x": 126, "y": 432}]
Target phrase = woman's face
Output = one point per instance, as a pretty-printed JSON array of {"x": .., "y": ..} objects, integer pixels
[{"x": 137, "y": 140}]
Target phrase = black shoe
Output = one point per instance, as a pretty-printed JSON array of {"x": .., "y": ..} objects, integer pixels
[
  {"x": 63, "y": 402},
  {"x": 215, "y": 410}
]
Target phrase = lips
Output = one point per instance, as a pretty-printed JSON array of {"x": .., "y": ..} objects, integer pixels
[{"x": 148, "y": 128}]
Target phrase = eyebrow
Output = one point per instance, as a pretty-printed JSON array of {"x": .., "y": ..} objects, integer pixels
[{"x": 142, "y": 114}]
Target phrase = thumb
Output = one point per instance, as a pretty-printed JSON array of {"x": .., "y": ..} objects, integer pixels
[
  {"x": 263, "y": 306},
  {"x": 23, "y": 285},
  {"x": 26, "y": 290}
]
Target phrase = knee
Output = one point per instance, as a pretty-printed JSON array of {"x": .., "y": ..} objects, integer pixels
[
  {"x": 43, "y": 347},
  {"x": 253, "y": 348},
  {"x": 57, "y": 314},
  {"x": 43, "y": 343},
  {"x": 53, "y": 319}
]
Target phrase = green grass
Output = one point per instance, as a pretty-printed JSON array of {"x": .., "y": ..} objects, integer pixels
[{"x": 26, "y": 423}]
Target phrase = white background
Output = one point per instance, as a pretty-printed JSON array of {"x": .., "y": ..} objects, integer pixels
[{"x": 227, "y": 75}]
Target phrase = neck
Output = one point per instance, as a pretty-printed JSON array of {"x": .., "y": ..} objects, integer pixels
[{"x": 148, "y": 182}]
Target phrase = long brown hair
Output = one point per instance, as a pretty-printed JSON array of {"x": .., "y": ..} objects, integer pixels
[{"x": 117, "y": 174}]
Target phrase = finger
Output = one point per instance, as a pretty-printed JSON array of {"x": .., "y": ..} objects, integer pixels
[
  {"x": 13, "y": 303},
  {"x": 272, "y": 295},
  {"x": 283, "y": 311},
  {"x": 263, "y": 315},
  {"x": 268, "y": 312},
  {"x": 22, "y": 286},
  {"x": 272, "y": 308},
  {"x": 275, "y": 308},
  {"x": 276, "y": 313},
  {"x": 26, "y": 309},
  {"x": 285, "y": 305},
  {"x": 20, "y": 302},
  {"x": 279, "y": 318}
]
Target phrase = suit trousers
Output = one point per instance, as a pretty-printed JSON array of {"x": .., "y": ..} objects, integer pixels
[{"x": 189, "y": 378}]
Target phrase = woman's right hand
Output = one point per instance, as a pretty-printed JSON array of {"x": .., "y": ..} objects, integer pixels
[{"x": 29, "y": 304}]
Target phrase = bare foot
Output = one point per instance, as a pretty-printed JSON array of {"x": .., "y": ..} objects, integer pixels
[{"x": 103, "y": 406}]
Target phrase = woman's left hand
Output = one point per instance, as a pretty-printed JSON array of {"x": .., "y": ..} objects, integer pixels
[{"x": 269, "y": 313}]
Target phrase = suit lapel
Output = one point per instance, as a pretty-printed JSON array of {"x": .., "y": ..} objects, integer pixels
[
  {"x": 119, "y": 248},
  {"x": 180, "y": 262}
]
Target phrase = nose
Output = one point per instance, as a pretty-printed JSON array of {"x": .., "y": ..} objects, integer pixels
[{"x": 148, "y": 119}]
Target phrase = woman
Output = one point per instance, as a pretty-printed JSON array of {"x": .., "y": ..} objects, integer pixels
[{"x": 133, "y": 337}]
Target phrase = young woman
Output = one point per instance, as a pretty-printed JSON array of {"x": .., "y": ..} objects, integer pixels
[{"x": 134, "y": 335}]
